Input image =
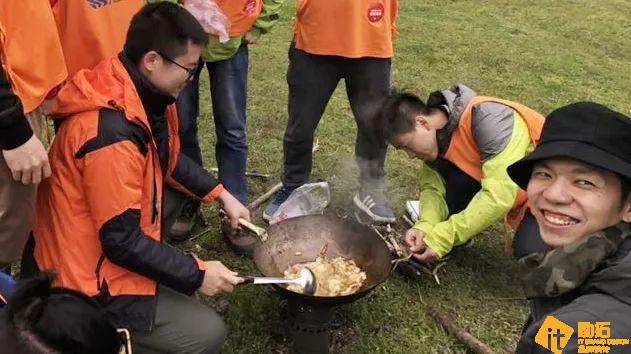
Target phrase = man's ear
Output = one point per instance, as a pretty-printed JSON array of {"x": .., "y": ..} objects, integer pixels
[
  {"x": 422, "y": 121},
  {"x": 626, "y": 214},
  {"x": 151, "y": 60}
]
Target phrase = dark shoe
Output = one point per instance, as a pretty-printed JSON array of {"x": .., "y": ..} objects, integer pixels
[
  {"x": 240, "y": 241},
  {"x": 183, "y": 225},
  {"x": 280, "y": 198},
  {"x": 375, "y": 204}
]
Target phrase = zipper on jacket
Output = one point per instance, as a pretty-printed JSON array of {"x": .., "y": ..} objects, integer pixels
[
  {"x": 154, "y": 202},
  {"x": 99, "y": 264},
  {"x": 154, "y": 197}
]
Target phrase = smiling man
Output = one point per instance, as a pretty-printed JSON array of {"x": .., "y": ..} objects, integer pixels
[
  {"x": 578, "y": 182},
  {"x": 98, "y": 222},
  {"x": 467, "y": 142}
]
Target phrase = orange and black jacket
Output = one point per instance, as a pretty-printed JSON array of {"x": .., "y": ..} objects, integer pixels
[{"x": 98, "y": 219}]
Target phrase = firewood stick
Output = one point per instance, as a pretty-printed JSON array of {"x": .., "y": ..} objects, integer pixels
[
  {"x": 407, "y": 220},
  {"x": 260, "y": 200},
  {"x": 466, "y": 338},
  {"x": 249, "y": 174}
]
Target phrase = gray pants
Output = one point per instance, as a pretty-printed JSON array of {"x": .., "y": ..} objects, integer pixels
[
  {"x": 182, "y": 325},
  {"x": 17, "y": 208}
]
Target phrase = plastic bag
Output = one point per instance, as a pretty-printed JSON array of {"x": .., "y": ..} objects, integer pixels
[
  {"x": 210, "y": 17},
  {"x": 308, "y": 199}
]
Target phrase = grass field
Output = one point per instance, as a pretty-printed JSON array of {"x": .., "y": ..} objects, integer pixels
[{"x": 542, "y": 53}]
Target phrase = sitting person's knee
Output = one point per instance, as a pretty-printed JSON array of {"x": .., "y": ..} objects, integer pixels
[{"x": 211, "y": 334}]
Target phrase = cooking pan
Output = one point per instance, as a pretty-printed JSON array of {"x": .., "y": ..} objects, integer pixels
[{"x": 301, "y": 239}]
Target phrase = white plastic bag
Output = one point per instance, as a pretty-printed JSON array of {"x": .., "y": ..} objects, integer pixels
[
  {"x": 210, "y": 17},
  {"x": 308, "y": 199}
]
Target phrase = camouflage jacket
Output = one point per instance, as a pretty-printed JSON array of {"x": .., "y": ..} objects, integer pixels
[{"x": 589, "y": 281}]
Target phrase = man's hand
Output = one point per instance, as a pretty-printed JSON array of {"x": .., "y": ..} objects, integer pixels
[
  {"x": 28, "y": 162},
  {"x": 250, "y": 39},
  {"x": 218, "y": 278},
  {"x": 233, "y": 209},
  {"x": 423, "y": 253}
]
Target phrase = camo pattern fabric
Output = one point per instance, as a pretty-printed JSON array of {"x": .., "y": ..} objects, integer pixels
[{"x": 563, "y": 269}]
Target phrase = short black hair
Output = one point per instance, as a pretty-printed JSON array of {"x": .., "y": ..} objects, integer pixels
[
  {"x": 40, "y": 318},
  {"x": 163, "y": 27},
  {"x": 399, "y": 112}
]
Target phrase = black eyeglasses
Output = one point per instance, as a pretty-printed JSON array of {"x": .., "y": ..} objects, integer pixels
[{"x": 190, "y": 71}]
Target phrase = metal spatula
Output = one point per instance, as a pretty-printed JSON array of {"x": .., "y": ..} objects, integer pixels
[{"x": 306, "y": 281}]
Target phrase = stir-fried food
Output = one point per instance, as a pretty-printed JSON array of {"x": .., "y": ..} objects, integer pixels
[{"x": 334, "y": 277}]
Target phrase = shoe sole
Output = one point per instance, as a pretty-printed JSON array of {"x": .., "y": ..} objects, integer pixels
[
  {"x": 373, "y": 216},
  {"x": 267, "y": 217}
]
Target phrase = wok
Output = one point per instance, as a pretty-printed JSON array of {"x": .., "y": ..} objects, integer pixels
[{"x": 301, "y": 239}]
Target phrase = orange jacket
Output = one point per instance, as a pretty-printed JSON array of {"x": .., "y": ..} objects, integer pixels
[
  {"x": 348, "y": 28},
  {"x": 241, "y": 13},
  {"x": 30, "y": 51},
  {"x": 98, "y": 219},
  {"x": 91, "y": 31},
  {"x": 464, "y": 153}
]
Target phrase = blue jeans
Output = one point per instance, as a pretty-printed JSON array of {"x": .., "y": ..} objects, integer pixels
[{"x": 228, "y": 91}]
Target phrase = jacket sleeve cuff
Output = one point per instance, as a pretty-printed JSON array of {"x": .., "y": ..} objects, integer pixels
[
  {"x": 423, "y": 226},
  {"x": 200, "y": 264},
  {"x": 214, "y": 194},
  {"x": 441, "y": 248},
  {"x": 15, "y": 135},
  {"x": 202, "y": 272}
]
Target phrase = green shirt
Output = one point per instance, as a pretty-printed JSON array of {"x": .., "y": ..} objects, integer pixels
[{"x": 216, "y": 51}]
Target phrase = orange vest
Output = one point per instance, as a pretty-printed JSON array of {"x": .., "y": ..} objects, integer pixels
[
  {"x": 464, "y": 153},
  {"x": 241, "y": 13},
  {"x": 31, "y": 53},
  {"x": 90, "y": 32},
  {"x": 348, "y": 28}
]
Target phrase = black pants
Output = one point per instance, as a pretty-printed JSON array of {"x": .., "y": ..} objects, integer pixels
[
  {"x": 461, "y": 188},
  {"x": 312, "y": 79}
]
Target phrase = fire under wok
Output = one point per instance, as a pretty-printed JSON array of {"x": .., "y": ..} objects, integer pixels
[{"x": 301, "y": 239}]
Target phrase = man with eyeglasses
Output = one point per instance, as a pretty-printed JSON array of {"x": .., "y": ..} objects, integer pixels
[{"x": 99, "y": 216}]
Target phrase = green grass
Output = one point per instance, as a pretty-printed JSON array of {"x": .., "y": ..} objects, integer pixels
[{"x": 542, "y": 53}]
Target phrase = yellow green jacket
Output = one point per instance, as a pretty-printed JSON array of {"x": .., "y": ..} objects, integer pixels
[{"x": 503, "y": 138}]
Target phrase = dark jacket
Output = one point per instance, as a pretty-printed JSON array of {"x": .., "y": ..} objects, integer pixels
[
  {"x": 604, "y": 297},
  {"x": 14, "y": 128}
]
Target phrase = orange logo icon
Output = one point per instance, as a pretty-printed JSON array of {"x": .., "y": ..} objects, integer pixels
[{"x": 553, "y": 335}]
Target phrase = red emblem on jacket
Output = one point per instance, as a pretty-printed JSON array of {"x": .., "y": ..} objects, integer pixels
[
  {"x": 250, "y": 7},
  {"x": 375, "y": 12}
]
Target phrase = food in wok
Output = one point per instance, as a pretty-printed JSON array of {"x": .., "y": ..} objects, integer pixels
[{"x": 334, "y": 277}]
